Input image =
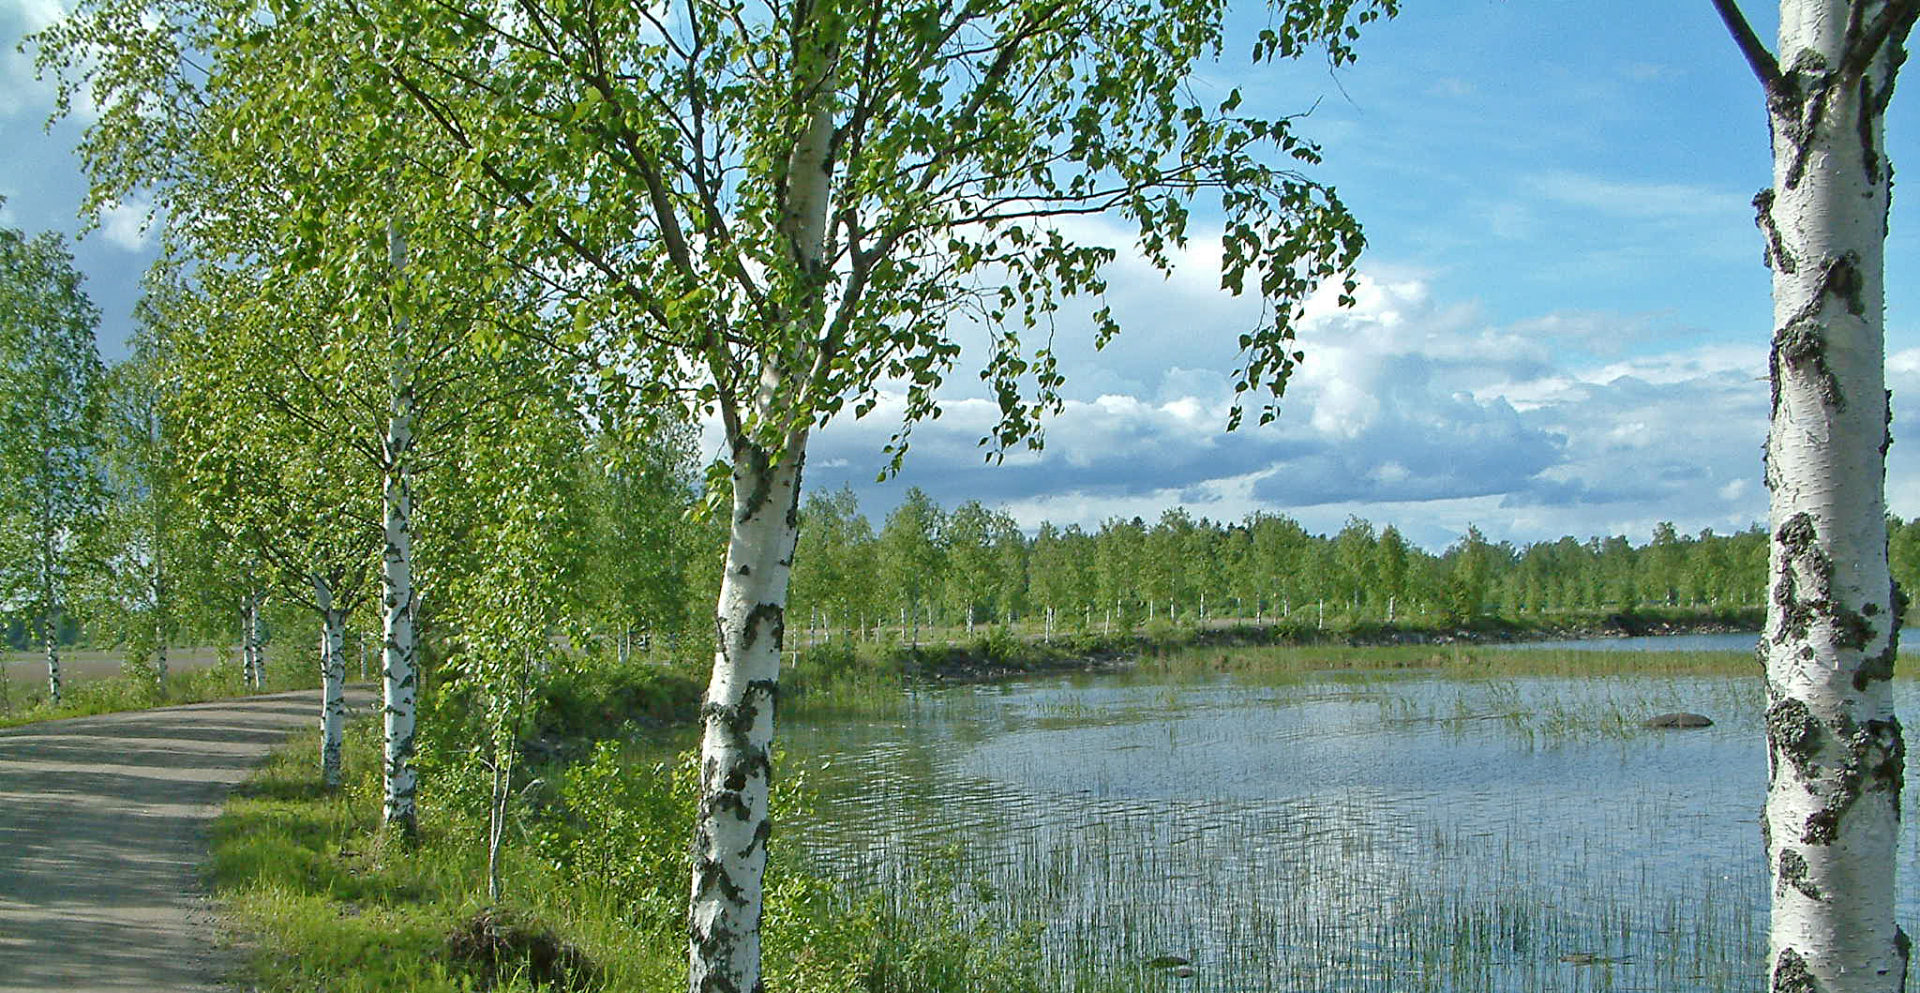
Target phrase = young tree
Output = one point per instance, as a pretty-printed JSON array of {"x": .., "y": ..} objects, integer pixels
[
  {"x": 50, "y": 375},
  {"x": 912, "y": 554},
  {"x": 1835, "y": 749},
  {"x": 134, "y": 594}
]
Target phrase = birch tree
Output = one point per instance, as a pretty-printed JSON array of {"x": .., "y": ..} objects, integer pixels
[
  {"x": 135, "y": 591},
  {"x": 1836, "y": 755},
  {"x": 50, "y": 376},
  {"x": 776, "y": 213},
  {"x": 289, "y": 501}
]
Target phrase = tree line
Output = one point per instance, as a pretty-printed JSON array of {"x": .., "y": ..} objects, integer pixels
[
  {"x": 928, "y": 566},
  {"x": 411, "y": 247}
]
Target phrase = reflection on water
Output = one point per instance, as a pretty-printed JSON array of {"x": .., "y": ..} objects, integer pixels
[{"x": 1338, "y": 833}]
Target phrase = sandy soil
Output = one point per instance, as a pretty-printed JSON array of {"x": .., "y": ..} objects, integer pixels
[{"x": 103, "y": 827}]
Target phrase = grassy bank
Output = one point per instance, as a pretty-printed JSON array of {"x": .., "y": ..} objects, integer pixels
[
  {"x": 136, "y": 690},
  {"x": 594, "y": 898},
  {"x": 860, "y": 675}
]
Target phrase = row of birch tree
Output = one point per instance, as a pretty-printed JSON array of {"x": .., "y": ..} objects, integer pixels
[{"x": 443, "y": 216}]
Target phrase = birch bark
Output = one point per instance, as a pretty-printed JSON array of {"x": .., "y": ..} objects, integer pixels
[
  {"x": 1836, "y": 753},
  {"x": 333, "y": 680},
  {"x": 731, "y": 832},
  {"x": 50, "y": 629},
  {"x": 732, "y": 826},
  {"x": 398, "y": 678},
  {"x": 255, "y": 643}
]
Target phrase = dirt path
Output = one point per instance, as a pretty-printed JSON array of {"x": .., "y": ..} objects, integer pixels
[{"x": 103, "y": 827}]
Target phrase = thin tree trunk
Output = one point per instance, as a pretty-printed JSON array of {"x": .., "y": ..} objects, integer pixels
[
  {"x": 333, "y": 681},
  {"x": 730, "y": 834},
  {"x": 50, "y": 632},
  {"x": 1835, "y": 748},
  {"x": 399, "y": 682},
  {"x": 257, "y": 643}
]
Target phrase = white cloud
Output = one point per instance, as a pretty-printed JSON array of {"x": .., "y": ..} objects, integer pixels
[
  {"x": 20, "y": 91},
  {"x": 1410, "y": 408},
  {"x": 129, "y": 225},
  {"x": 1631, "y": 198}
]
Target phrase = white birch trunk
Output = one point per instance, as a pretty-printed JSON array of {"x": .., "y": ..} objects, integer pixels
[
  {"x": 246, "y": 641},
  {"x": 256, "y": 643},
  {"x": 160, "y": 609},
  {"x": 1835, "y": 748},
  {"x": 333, "y": 681},
  {"x": 50, "y": 631},
  {"x": 398, "y": 679},
  {"x": 730, "y": 834}
]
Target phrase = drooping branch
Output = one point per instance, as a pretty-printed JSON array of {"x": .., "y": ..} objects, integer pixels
[{"x": 1764, "y": 65}]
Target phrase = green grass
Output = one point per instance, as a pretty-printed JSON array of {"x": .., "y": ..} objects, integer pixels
[
  {"x": 28, "y": 703},
  {"x": 323, "y": 900}
]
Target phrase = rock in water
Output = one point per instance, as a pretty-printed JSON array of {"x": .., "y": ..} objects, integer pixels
[{"x": 1679, "y": 720}]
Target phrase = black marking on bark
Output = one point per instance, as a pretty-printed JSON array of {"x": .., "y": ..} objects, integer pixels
[
  {"x": 1886, "y": 437},
  {"x": 1851, "y": 630},
  {"x": 744, "y": 570},
  {"x": 1869, "y": 158},
  {"x": 793, "y": 502},
  {"x": 760, "y": 835},
  {"x": 1843, "y": 279},
  {"x": 1802, "y": 102},
  {"x": 1802, "y": 345},
  {"x": 1822, "y": 826},
  {"x": 1878, "y": 668},
  {"x": 751, "y": 459},
  {"x": 710, "y": 875},
  {"x": 1903, "y": 950},
  {"x": 727, "y": 801},
  {"x": 1791, "y": 975},
  {"x": 1796, "y": 609},
  {"x": 1793, "y": 733},
  {"x": 1773, "y": 254},
  {"x": 1793, "y": 873},
  {"x": 1881, "y": 746},
  {"x": 776, "y": 617}
]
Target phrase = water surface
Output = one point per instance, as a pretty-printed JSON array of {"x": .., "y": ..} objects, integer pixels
[{"x": 1332, "y": 833}]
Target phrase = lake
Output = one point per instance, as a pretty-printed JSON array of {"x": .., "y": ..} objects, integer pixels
[
  {"x": 1330, "y": 832},
  {"x": 1743, "y": 641}
]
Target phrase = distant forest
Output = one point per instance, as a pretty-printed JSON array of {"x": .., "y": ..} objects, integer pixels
[{"x": 972, "y": 565}]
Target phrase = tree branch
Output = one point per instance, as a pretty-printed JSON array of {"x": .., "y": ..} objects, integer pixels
[
  {"x": 1758, "y": 58},
  {"x": 1897, "y": 16}
]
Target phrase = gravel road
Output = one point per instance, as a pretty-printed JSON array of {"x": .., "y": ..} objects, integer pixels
[{"x": 103, "y": 828}]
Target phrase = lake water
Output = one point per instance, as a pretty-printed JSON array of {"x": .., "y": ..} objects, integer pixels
[
  {"x": 1329, "y": 833},
  {"x": 1744, "y": 641}
]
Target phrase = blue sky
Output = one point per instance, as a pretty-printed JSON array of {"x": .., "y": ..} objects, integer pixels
[{"x": 1563, "y": 325}]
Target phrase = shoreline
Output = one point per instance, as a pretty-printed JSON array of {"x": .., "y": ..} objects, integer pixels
[{"x": 997, "y": 655}]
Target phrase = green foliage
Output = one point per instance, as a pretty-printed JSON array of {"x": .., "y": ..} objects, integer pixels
[
  {"x": 621, "y": 828},
  {"x": 327, "y": 902},
  {"x": 50, "y": 412}
]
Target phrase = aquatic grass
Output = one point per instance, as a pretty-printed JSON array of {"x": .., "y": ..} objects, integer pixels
[
  {"x": 1358, "y": 889},
  {"x": 322, "y": 899}
]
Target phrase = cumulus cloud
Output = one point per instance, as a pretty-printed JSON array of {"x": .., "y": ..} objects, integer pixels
[
  {"x": 20, "y": 91},
  {"x": 129, "y": 225},
  {"x": 1411, "y": 408}
]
